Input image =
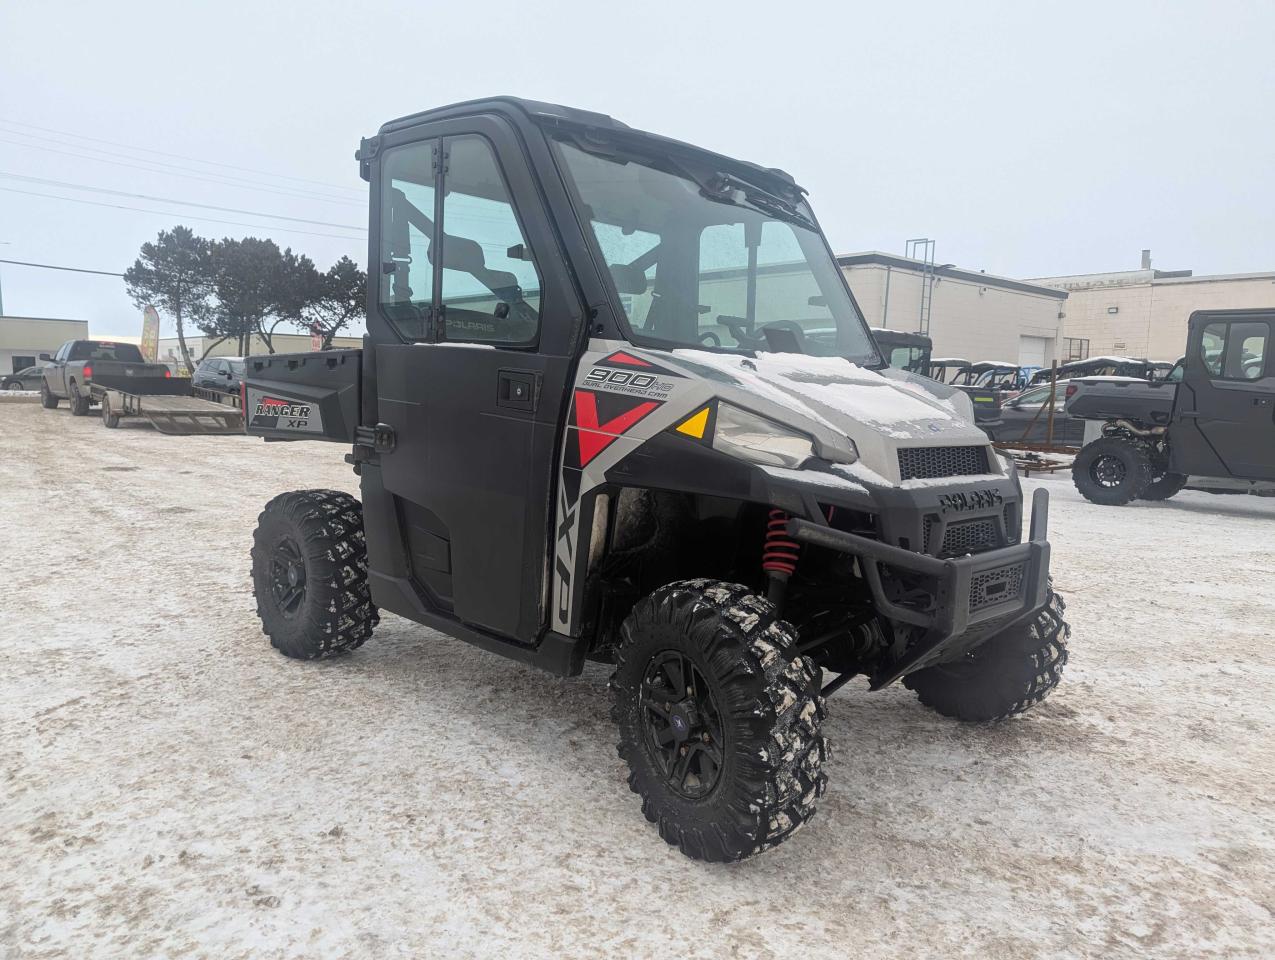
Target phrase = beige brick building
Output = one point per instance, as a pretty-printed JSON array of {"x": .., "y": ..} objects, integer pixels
[
  {"x": 973, "y": 315},
  {"x": 1143, "y": 313},
  {"x": 23, "y": 339}
]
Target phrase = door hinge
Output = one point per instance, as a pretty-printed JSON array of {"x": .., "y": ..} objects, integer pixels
[{"x": 379, "y": 438}]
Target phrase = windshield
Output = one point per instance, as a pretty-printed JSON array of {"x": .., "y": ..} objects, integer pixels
[{"x": 701, "y": 259}]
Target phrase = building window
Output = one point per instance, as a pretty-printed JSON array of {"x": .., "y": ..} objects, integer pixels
[{"x": 1076, "y": 348}]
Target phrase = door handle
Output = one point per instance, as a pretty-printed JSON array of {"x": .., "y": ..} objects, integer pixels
[{"x": 518, "y": 389}]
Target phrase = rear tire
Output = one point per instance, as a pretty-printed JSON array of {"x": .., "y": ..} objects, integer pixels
[
  {"x": 1164, "y": 487},
  {"x": 79, "y": 404},
  {"x": 47, "y": 399},
  {"x": 309, "y": 574},
  {"x": 718, "y": 720},
  {"x": 109, "y": 420},
  {"x": 1112, "y": 471},
  {"x": 1008, "y": 674}
]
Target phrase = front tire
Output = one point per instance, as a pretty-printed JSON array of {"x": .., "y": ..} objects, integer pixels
[
  {"x": 1112, "y": 471},
  {"x": 1008, "y": 674},
  {"x": 718, "y": 719},
  {"x": 1164, "y": 486},
  {"x": 47, "y": 399},
  {"x": 309, "y": 574}
]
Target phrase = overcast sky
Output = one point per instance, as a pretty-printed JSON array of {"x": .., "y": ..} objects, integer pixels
[{"x": 1027, "y": 139}]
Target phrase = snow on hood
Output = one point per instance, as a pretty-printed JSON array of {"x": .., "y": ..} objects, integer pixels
[{"x": 837, "y": 394}]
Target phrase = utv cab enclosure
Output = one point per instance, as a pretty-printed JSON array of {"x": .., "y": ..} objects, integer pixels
[{"x": 616, "y": 402}]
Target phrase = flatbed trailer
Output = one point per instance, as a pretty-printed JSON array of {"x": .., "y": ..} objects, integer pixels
[{"x": 171, "y": 413}]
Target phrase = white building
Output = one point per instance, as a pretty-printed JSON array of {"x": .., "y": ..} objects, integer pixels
[
  {"x": 974, "y": 315},
  {"x": 1143, "y": 313},
  {"x": 23, "y": 339}
]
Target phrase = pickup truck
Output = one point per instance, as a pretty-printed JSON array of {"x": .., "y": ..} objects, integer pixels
[
  {"x": 82, "y": 370},
  {"x": 1210, "y": 421}
]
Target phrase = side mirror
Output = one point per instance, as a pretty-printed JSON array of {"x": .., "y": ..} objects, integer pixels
[{"x": 46, "y": 358}]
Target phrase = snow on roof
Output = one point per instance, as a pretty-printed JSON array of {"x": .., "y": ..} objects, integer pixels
[
  {"x": 1077, "y": 363},
  {"x": 994, "y": 364},
  {"x": 949, "y": 361}
]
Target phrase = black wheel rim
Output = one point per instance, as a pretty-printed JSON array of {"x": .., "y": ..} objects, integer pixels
[
  {"x": 1108, "y": 471},
  {"x": 682, "y": 724},
  {"x": 287, "y": 576}
]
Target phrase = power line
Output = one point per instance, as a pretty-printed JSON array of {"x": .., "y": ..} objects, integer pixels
[
  {"x": 184, "y": 203},
  {"x": 175, "y": 172},
  {"x": 170, "y": 214},
  {"x": 178, "y": 156},
  {"x": 50, "y": 266}
]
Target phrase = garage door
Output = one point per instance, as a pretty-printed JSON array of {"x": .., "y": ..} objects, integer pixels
[{"x": 1033, "y": 350}]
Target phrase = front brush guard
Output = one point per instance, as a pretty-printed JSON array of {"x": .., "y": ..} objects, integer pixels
[{"x": 1009, "y": 583}]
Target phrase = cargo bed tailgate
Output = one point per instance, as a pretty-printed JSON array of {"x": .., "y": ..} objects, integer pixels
[{"x": 304, "y": 396}]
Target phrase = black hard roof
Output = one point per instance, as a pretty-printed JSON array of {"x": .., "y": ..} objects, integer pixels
[
  {"x": 556, "y": 115},
  {"x": 901, "y": 337}
]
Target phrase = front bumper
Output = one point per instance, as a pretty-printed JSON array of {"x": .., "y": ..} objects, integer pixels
[{"x": 1007, "y": 585}]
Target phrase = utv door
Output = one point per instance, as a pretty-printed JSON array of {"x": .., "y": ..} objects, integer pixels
[
  {"x": 1224, "y": 414},
  {"x": 475, "y": 329}
]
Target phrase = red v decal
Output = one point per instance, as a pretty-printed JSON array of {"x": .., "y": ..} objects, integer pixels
[{"x": 596, "y": 437}]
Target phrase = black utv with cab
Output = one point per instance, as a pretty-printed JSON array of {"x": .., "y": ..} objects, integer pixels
[
  {"x": 1210, "y": 421},
  {"x": 615, "y": 403}
]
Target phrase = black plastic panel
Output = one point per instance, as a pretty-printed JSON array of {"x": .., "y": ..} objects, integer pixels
[{"x": 304, "y": 396}]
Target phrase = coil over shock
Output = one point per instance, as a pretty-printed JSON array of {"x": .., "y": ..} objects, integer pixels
[{"x": 779, "y": 556}]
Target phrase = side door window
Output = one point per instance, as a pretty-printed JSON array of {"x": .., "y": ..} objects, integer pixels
[
  {"x": 1235, "y": 350},
  {"x": 1246, "y": 351},
  {"x": 1212, "y": 345},
  {"x": 490, "y": 283},
  {"x": 405, "y": 290}
]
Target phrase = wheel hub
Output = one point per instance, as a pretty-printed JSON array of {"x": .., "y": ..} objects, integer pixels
[
  {"x": 682, "y": 724},
  {"x": 287, "y": 576},
  {"x": 1108, "y": 471}
]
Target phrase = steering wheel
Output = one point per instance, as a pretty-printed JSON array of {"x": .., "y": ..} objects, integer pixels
[
  {"x": 710, "y": 339},
  {"x": 737, "y": 328}
]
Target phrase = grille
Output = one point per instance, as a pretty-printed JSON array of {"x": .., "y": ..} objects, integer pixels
[
  {"x": 996, "y": 586},
  {"x": 962, "y": 537},
  {"x": 924, "y": 463},
  {"x": 970, "y": 536}
]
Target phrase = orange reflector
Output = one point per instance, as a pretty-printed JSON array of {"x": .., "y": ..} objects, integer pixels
[{"x": 695, "y": 424}]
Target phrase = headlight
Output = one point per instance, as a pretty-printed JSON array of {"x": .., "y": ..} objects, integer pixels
[{"x": 759, "y": 440}]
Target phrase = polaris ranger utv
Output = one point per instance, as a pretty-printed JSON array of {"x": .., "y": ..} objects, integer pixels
[
  {"x": 615, "y": 403},
  {"x": 1210, "y": 421}
]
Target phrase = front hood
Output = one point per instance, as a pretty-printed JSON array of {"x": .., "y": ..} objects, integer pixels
[{"x": 832, "y": 398}]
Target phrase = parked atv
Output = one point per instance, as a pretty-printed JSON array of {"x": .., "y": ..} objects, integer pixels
[{"x": 614, "y": 404}]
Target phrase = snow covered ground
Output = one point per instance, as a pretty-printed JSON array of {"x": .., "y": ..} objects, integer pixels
[{"x": 173, "y": 787}]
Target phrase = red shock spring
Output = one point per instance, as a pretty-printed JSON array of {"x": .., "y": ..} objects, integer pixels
[{"x": 780, "y": 553}]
